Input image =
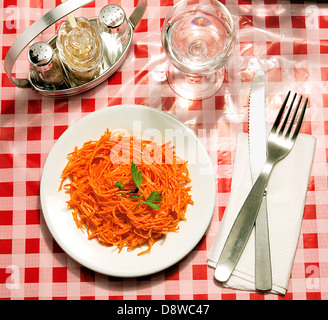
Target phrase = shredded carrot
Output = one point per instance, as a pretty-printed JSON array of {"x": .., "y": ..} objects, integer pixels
[{"x": 109, "y": 214}]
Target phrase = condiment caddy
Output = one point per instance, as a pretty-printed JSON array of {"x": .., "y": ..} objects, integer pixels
[{"x": 78, "y": 57}]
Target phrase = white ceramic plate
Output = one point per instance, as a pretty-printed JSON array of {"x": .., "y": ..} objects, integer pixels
[{"x": 142, "y": 122}]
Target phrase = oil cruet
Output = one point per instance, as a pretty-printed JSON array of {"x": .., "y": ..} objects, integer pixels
[{"x": 80, "y": 50}]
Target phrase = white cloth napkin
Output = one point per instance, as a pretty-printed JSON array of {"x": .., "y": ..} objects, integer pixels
[{"x": 286, "y": 193}]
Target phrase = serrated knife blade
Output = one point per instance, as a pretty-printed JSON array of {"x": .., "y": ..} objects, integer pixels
[{"x": 257, "y": 154}]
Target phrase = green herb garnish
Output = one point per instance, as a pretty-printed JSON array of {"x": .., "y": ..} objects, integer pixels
[
  {"x": 119, "y": 184},
  {"x": 154, "y": 197},
  {"x": 137, "y": 178},
  {"x": 136, "y": 175}
]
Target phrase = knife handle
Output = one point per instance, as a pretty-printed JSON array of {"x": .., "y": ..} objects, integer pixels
[
  {"x": 263, "y": 273},
  {"x": 242, "y": 227}
]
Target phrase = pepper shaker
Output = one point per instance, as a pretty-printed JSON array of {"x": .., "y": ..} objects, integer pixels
[{"x": 46, "y": 66}]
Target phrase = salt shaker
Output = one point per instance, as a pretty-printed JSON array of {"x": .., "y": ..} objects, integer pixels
[
  {"x": 80, "y": 49},
  {"x": 46, "y": 66},
  {"x": 113, "y": 27}
]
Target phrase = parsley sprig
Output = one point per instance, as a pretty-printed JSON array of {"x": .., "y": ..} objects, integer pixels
[
  {"x": 136, "y": 175},
  {"x": 119, "y": 184},
  {"x": 153, "y": 197}
]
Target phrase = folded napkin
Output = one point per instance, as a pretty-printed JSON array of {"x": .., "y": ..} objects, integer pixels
[{"x": 286, "y": 193}]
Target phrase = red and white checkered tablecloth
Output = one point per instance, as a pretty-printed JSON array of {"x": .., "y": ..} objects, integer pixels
[{"x": 287, "y": 39}]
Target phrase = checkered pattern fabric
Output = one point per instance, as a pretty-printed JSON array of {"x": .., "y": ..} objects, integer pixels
[{"x": 287, "y": 39}]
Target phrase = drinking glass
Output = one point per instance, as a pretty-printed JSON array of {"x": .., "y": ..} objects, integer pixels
[{"x": 198, "y": 38}]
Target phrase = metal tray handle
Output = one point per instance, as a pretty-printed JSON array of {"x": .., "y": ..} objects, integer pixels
[
  {"x": 138, "y": 12},
  {"x": 45, "y": 22}
]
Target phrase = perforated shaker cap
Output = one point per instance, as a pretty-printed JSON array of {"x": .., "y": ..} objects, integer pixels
[
  {"x": 40, "y": 54},
  {"x": 112, "y": 18}
]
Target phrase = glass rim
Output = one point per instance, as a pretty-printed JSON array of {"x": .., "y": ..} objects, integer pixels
[
  {"x": 229, "y": 44},
  {"x": 200, "y": 2}
]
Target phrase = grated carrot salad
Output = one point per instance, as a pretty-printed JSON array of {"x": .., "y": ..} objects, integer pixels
[{"x": 109, "y": 213}]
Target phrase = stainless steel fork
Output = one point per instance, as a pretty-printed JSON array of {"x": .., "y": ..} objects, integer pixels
[{"x": 280, "y": 142}]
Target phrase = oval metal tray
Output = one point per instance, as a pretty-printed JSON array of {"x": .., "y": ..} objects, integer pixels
[{"x": 46, "y": 21}]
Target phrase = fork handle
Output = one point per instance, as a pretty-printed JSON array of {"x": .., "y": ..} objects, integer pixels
[
  {"x": 263, "y": 272},
  {"x": 242, "y": 227}
]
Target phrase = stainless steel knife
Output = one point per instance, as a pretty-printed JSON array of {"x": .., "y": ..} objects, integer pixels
[
  {"x": 257, "y": 154},
  {"x": 245, "y": 220}
]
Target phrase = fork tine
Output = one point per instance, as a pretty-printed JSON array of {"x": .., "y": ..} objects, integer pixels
[
  {"x": 282, "y": 128},
  {"x": 293, "y": 118},
  {"x": 281, "y": 111},
  {"x": 300, "y": 120}
]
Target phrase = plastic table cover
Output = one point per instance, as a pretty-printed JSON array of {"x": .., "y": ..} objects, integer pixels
[{"x": 286, "y": 39}]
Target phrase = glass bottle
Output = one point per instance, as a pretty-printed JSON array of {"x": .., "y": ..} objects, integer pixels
[
  {"x": 46, "y": 67},
  {"x": 80, "y": 50},
  {"x": 113, "y": 27}
]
